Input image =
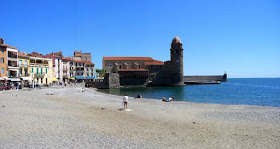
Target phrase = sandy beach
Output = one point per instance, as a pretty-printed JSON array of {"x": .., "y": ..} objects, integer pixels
[{"x": 69, "y": 118}]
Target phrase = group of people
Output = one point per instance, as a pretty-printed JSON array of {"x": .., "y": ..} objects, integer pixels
[
  {"x": 125, "y": 100},
  {"x": 168, "y": 100}
]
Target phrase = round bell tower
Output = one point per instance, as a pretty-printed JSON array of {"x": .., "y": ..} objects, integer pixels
[{"x": 177, "y": 63}]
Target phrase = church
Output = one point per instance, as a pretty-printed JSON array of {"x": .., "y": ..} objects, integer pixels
[{"x": 145, "y": 71}]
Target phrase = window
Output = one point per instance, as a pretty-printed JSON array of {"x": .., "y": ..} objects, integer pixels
[
  {"x": 20, "y": 63},
  {"x": 2, "y": 49},
  {"x": 32, "y": 70},
  {"x": 37, "y": 70},
  {"x": 46, "y": 70},
  {"x": 177, "y": 51},
  {"x": 120, "y": 66},
  {"x": 20, "y": 72},
  {"x": 41, "y": 70},
  {"x": 88, "y": 74},
  {"x": 151, "y": 66},
  {"x": 139, "y": 66},
  {"x": 25, "y": 63},
  {"x": 2, "y": 60},
  {"x": 2, "y": 70},
  {"x": 87, "y": 69}
]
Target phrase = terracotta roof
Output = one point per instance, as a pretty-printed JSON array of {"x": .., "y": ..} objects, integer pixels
[
  {"x": 79, "y": 61},
  {"x": 23, "y": 55},
  {"x": 155, "y": 62},
  {"x": 67, "y": 58},
  {"x": 5, "y": 45},
  {"x": 35, "y": 54},
  {"x": 89, "y": 62},
  {"x": 133, "y": 70},
  {"x": 127, "y": 59}
]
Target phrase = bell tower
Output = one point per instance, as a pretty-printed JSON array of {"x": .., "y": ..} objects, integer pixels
[{"x": 176, "y": 71}]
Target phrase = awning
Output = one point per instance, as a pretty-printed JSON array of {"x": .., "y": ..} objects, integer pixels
[
  {"x": 6, "y": 78},
  {"x": 15, "y": 79},
  {"x": 55, "y": 79},
  {"x": 72, "y": 78},
  {"x": 26, "y": 78},
  {"x": 80, "y": 77},
  {"x": 90, "y": 77}
]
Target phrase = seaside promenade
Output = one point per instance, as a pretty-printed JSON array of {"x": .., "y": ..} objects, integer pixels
[{"x": 66, "y": 117}]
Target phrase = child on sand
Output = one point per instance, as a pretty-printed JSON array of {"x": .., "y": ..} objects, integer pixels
[{"x": 125, "y": 100}]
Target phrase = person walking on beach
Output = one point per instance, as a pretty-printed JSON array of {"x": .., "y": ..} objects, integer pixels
[{"x": 125, "y": 100}]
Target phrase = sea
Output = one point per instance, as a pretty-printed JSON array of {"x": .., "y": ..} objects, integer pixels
[{"x": 236, "y": 91}]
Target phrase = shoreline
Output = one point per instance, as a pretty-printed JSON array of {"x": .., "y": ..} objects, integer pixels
[
  {"x": 183, "y": 101},
  {"x": 70, "y": 114}
]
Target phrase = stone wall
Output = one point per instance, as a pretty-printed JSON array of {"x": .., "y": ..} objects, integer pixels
[
  {"x": 109, "y": 81},
  {"x": 213, "y": 78}
]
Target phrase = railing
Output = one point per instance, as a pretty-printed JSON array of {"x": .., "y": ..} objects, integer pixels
[
  {"x": 12, "y": 65},
  {"x": 39, "y": 75},
  {"x": 38, "y": 65},
  {"x": 12, "y": 56}
]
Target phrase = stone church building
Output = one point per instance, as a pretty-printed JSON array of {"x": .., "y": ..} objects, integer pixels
[{"x": 145, "y": 71}]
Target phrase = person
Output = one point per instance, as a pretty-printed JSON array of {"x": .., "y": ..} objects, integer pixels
[
  {"x": 163, "y": 99},
  {"x": 16, "y": 85},
  {"x": 172, "y": 98},
  {"x": 139, "y": 96},
  {"x": 169, "y": 99},
  {"x": 125, "y": 100}
]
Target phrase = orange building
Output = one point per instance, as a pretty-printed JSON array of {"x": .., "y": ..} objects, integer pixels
[{"x": 3, "y": 57}]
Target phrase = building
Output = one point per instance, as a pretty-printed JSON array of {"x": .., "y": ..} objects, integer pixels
[
  {"x": 23, "y": 64},
  {"x": 90, "y": 70},
  {"x": 9, "y": 63},
  {"x": 79, "y": 56},
  {"x": 3, "y": 56},
  {"x": 57, "y": 67},
  {"x": 66, "y": 68},
  {"x": 41, "y": 70},
  {"x": 34, "y": 68},
  {"x": 146, "y": 71},
  {"x": 86, "y": 57}
]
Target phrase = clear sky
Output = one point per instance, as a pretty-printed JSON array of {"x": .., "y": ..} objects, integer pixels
[{"x": 241, "y": 37}]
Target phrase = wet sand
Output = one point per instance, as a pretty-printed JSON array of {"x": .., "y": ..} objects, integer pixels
[{"x": 70, "y": 118}]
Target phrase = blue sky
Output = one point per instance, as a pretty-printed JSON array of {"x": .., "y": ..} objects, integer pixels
[{"x": 241, "y": 37}]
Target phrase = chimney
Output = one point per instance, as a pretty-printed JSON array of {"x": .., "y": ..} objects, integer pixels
[{"x": 2, "y": 41}]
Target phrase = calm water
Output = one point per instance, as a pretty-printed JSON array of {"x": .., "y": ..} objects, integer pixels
[{"x": 262, "y": 92}]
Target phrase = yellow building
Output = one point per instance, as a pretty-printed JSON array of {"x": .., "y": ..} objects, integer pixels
[
  {"x": 37, "y": 70},
  {"x": 23, "y": 64}
]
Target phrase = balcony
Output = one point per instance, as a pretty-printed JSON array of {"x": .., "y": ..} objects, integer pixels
[
  {"x": 38, "y": 65},
  {"x": 39, "y": 75}
]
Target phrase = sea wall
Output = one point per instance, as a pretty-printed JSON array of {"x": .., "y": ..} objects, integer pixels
[
  {"x": 213, "y": 78},
  {"x": 110, "y": 81}
]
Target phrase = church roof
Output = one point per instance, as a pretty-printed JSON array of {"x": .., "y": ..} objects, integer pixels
[
  {"x": 176, "y": 39},
  {"x": 128, "y": 59},
  {"x": 133, "y": 70},
  {"x": 155, "y": 62}
]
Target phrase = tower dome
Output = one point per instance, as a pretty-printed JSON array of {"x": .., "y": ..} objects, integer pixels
[{"x": 176, "y": 39}]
